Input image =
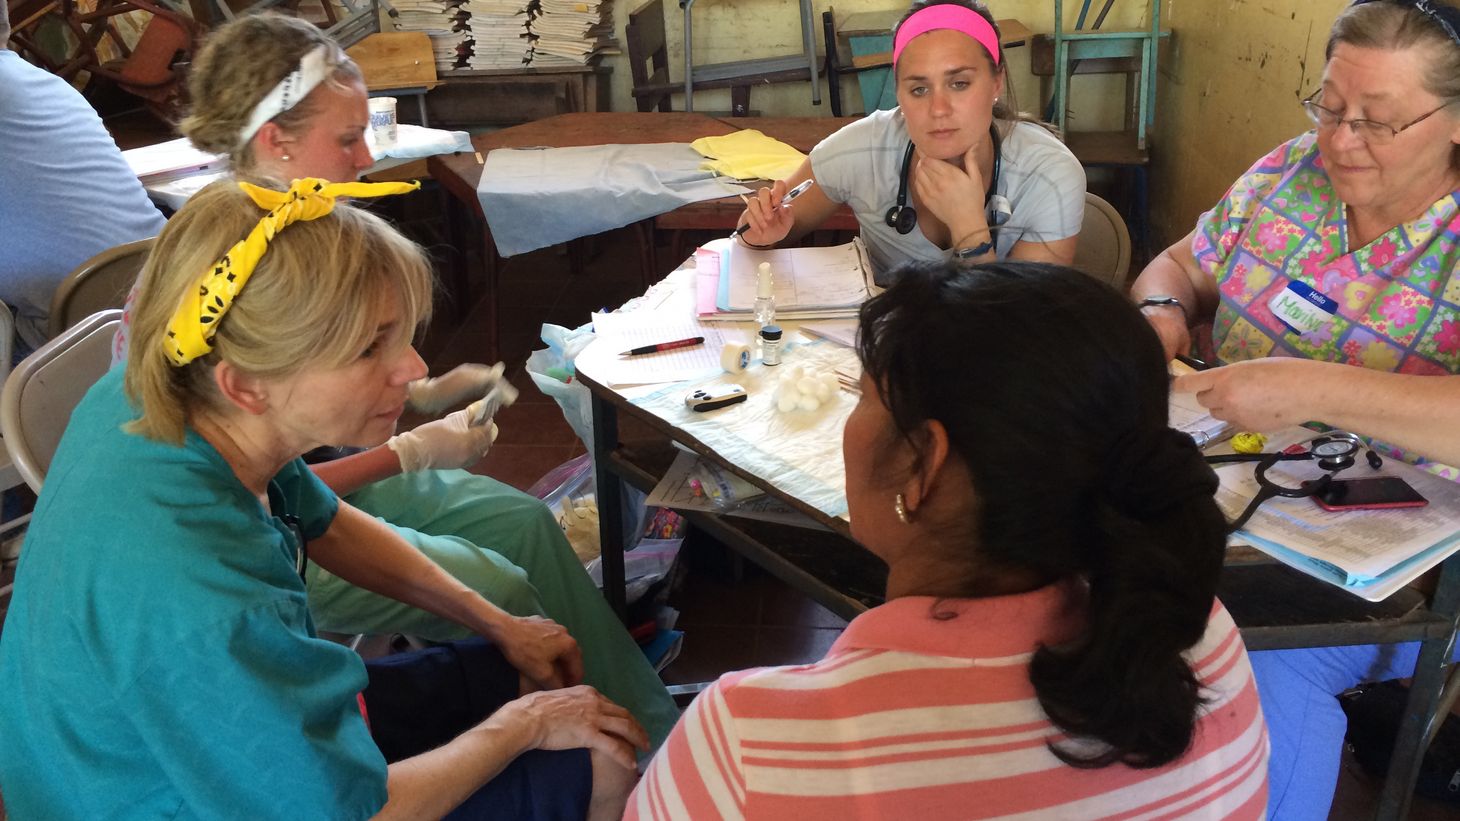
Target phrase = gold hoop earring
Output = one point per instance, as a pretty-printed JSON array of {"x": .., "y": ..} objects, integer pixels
[{"x": 899, "y": 506}]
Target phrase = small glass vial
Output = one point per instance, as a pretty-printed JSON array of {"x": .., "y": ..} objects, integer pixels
[
  {"x": 770, "y": 345},
  {"x": 765, "y": 295}
]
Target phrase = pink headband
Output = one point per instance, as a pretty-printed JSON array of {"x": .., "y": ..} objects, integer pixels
[{"x": 947, "y": 16}]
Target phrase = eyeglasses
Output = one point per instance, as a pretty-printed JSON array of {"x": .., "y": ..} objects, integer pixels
[{"x": 1372, "y": 132}]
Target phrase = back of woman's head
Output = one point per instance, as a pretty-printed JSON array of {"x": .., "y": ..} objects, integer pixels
[
  {"x": 313, "y": 300},
  {"x": 1054, "y": 393},
  {"x": 239, "y": 64}
]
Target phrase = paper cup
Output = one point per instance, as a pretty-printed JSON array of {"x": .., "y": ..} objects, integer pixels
[{"x": 382, "y": 121}]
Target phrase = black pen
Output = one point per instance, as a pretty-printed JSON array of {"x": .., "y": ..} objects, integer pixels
[{"x": 665, "y": 346}]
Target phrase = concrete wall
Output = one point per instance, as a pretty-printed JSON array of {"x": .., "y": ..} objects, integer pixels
[{"x": 1230, "y": 82}]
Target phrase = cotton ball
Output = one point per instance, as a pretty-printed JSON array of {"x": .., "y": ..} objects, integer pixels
[
  {"x": 808, "y": 403},
  {"x": 787, "y": 402},
  {"x": 831, "y": 382},
  {"x": 823, "y": 392},
  {"x": 806, "y": 385}
]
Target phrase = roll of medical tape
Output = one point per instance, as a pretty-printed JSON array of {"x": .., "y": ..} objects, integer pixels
[{"x": 734, "y": 357}]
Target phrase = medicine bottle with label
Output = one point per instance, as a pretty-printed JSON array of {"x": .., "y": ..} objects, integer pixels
[{"x": 770, "y": 345}]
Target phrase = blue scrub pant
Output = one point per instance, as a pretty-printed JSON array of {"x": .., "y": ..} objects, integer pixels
[{"x": 1305, "y": 724}]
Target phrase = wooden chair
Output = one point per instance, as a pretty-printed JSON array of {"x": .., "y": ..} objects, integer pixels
[
  {"x": 99, "y": 283},
  {"x": 649, "y": 67},
  {"x": 835, "y": 68},
  {"x": 1103, "y": 251}
]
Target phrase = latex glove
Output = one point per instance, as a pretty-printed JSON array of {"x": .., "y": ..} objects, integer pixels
[
  {"x": 449, "y": 442},
  {"x": 437, "y": 393}
]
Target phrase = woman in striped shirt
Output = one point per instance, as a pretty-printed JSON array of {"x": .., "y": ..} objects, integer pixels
[{"x": 1051, "y": 644}]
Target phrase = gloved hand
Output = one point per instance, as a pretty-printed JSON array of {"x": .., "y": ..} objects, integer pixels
[
  {"x": 437, "y": 393},
  {"x": 449, "y": 442}
]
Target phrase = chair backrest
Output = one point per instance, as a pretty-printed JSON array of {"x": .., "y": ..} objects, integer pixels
[
  {"x": 9, "y": 476},
  {"x": 648, "y": 56},
  {"x": 1103, "y": 250},
  {"x": 100, "y": 283},
  {"x": 41, "y": 392}
]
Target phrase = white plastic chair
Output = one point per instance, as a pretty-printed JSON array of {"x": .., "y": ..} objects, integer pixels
[{"x": 1103, "y": 250}]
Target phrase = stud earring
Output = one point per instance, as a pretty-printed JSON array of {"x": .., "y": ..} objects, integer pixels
[
  {"x": 285, "y": 157},
  {"x": 899, "y": 506}
]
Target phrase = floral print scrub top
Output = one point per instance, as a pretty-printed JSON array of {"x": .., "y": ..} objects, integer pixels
[{"x": 1396, "y": 301}]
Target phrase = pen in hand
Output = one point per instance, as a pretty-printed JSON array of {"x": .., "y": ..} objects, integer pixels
[
  {"x": 665, "y": 346},
  {"x": 801, "y": 188}
]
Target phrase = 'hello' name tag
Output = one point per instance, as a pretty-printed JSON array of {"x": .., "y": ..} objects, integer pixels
[{"x": 1302, "y": 309}]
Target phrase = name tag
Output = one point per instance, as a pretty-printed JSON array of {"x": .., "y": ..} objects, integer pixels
[{"x": 1302, "y": 309}]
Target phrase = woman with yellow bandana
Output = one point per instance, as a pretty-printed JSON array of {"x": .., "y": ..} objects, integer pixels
[
  {"x": 159, "y": 656},
  {"x": 283, "y": 101}
]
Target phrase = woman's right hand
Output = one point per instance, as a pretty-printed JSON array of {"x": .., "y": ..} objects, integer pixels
[
  {"x": 541, "y": 650},
  {"x": 769, "y": 222},
  {"x": 578, "y": 717}
]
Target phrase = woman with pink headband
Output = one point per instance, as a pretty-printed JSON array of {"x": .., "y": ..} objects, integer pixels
[{"x": 952, "y": 172}]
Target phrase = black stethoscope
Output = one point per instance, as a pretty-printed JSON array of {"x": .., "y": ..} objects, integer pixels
[
  {"x": 904, "y": 217},
  {"x": 1333, "y": 451}
]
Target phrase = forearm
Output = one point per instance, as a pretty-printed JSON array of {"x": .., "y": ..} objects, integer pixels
[
  {"x": 434, "y": 783},
  {"x": 347, "y": 475},
  {"x": 365, "y": 552},
  {"x": 1420, "y": 414},
  {"x": 1174, "y": 272}
]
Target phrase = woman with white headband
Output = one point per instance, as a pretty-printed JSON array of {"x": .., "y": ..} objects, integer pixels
[
  {"x": 283, "y": 101},
  {"x": 952, "y": 172},
  {"x": 159, "y": 657}
]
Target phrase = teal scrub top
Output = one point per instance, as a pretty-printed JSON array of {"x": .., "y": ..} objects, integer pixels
[{"x": 158, "y": 659}]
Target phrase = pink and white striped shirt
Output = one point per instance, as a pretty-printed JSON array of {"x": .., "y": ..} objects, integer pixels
[{"x": 914, "y": 717}]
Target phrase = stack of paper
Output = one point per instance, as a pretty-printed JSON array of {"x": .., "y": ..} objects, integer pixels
[
  {"x": 441, "y": 20},
  {"x": 1370, "y": 553},
  {"x": 810, "y": 283},
  {"x": 572, "y": 32},
  {"x": 1188, "y": 416},
  {"x": 500, "y": 34}
]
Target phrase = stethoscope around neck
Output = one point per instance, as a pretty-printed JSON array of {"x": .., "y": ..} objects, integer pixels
[
  {"x": 1334, "y": 451},
  {"x": 904, "y": 218}
]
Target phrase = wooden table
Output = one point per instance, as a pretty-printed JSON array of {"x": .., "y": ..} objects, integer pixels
[{"x": 460, "y": 174}]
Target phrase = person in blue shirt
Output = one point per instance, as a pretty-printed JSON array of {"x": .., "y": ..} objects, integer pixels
[
  {"x": 159, "y": 658},
  {"x": 66, "y": 192}
]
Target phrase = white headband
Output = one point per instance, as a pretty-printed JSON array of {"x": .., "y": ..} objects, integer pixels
[{"x": 314, "y": 67}]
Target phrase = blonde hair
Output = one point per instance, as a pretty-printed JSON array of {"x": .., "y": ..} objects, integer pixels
[
  {"x": 313, "y": 300},
  {"x": 240, "y": 62}
]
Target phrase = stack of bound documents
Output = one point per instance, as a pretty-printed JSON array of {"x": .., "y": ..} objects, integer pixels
[
  {"x": 441, "y": 20},
  {"x": 500, "y": 35},
  {"x": 572, "y": 32},
  {"x": 810, "y": 283}
]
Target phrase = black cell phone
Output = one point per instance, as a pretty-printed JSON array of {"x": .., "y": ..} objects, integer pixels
[{"x": 1377, "y": 493}]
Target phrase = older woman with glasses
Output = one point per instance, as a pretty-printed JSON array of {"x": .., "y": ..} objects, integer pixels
[{"x": 1339, "y": 248}]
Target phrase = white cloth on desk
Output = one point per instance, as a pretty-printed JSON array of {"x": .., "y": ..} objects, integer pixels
[
  {"x": 538, "y": 197},
  {"x": 413, "y": 142},
  {"x": 799, "y": 453},
  {"x": 861, "y": 165}
]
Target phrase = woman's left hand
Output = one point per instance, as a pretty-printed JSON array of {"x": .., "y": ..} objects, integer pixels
[
  {"x": 1259, "y": 395},
  {"x": 947, "y": 190},
  {"x": 541, "y": 650}
]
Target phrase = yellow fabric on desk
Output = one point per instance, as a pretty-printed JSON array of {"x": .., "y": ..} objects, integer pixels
[{"x": 748, "y": 155}]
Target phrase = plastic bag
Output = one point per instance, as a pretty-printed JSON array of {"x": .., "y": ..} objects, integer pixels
[{"x": 552, "y": 371}]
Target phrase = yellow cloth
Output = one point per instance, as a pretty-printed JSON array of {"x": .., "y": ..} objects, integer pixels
[
  {"x": 190, "y": 333},
  {"x": 748, "y": 155}
]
